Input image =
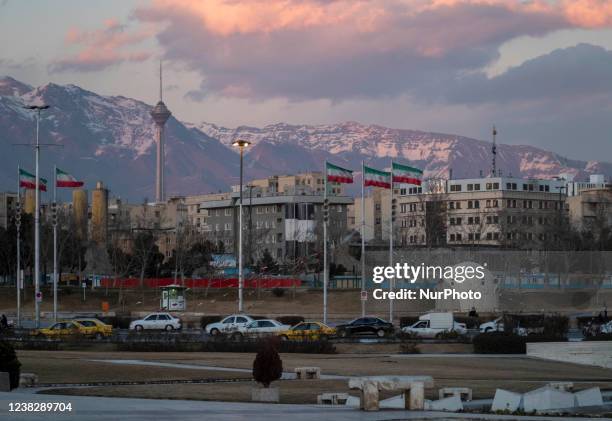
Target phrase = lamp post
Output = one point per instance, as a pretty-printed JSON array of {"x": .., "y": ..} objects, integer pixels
[
  {"x": 37, "y": 297},
  {"x": 241, "y": 144}
]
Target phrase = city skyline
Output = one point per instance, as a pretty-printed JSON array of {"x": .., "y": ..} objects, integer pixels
[{"x": 538, "y": 70}]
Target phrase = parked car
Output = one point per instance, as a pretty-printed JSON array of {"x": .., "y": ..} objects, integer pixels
[
  {"x": 157, "y": 321},
  {"x": 260, "y": 328},
  {"x": 228, "y": 325},
  {"x": 432, "y": 325},
  {"x": 95, "y": 327},
  {"x": 308, "y": 331},
  {"x": 606, "y": 328},
  {"x": 496, "y": 325},
  {"x": 61, "y": 329},
  {"x": 365, "y": 326}
]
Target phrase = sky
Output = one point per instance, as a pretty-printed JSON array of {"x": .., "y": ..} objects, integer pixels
[{"x": 540, "y": 70}]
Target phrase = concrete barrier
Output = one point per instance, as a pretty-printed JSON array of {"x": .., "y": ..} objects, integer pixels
[{"x": 596, "y": 353}]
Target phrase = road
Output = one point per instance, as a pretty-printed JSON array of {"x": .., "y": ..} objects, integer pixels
[{"x": 98, "y": 409}]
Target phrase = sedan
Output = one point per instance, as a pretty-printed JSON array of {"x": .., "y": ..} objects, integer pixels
[
  {"x": 311, "y": 331},
  {"x": 262, "y": 327},
  {"x": 156, "y": 321},
  {"x": 365, "y": 326}
]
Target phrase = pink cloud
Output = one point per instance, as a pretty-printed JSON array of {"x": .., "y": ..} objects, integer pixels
[{"x": 102, "y": 48}]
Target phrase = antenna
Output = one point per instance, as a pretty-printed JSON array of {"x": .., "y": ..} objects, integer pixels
[
  {"x": 160, "y": 81},
  {"x": 494, "y": 152}
]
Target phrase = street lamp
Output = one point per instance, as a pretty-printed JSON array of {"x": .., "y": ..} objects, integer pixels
[
  {"x": 37, "y": 297},
  {"x": 240, "y": 143}
]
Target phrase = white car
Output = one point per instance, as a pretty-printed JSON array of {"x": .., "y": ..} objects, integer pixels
[
  {"x": 156, "y": 321},
  {"x": 260, "y": 328},
  {"x": 424, "y": 329},
  {"x": 606, "y": 328},
  {"x": 496, "y": 325},
  {"x": 228, "y": 325}
]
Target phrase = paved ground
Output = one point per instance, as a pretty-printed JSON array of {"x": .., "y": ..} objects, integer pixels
[{"x": 97, "y": 409}]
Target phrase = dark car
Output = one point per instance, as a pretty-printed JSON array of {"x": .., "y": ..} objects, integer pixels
[{"x": 365, "y": 326}]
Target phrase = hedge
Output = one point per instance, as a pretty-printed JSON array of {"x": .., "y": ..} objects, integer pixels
[
  {"x": 600, "y": 337},
  {"x": 505, "y": 343},
  {"x": 9, "y": 363}
]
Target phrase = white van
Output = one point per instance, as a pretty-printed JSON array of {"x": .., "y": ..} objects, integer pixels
[{"x": 432, "y": 324}]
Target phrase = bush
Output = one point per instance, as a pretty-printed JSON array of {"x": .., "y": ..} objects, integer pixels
[
  {"x": 117, "y": 322},
  {"x": 452, "y": 334},
  {"x": 409, "y": 348},
  {"x": 290, "y": 320},
  {"x": 206, "y": 320},
  {"x": 555, "y": 326},
  {"x": 267, "y": 366},
  {"x": 9, "y": 363},
  {"x": 505, "y": 343},
  {"x": 470, "y": 322},
  {"x": 278, "y": 292},
  {"x": 600, "y": 337}
]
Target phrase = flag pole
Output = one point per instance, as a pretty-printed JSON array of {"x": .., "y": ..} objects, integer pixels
[
  {"x": 54, "y": 216},
  {"x": 18, "y": 225},
  {"x": 325, "y": 273},
  {"x": 391, "y": 280},
  {"x": 363, "y": 286}
]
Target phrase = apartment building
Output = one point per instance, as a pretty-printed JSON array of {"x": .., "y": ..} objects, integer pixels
[
  {"x": 7, "y": 208},
  {"x": 491, "y": 211}
]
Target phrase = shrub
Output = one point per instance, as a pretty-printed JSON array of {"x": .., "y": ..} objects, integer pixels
[
  {"x": 470, "y": 322},
  {"x": 117, "y": 322},
  {"x": 267, "y": 366},
  {"x": 278, "y": 292},
  {"x": 555, "y": 326},
  {"x": 600, "y": 337},
  {"x": 290, "y": 320},
  {"x": 9, "y": 363},
  {"x": 206, "y": 320},
  {"x": 452, "y": 334},
  {"x": 409, "y": 348}
]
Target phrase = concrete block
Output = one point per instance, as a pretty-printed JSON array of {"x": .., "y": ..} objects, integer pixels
[
  {"x": 547, "y": 398},
  {"x": 589, "y": 397},
  {"x": 505, "y": 400},
  {"x": 28, "y": 380},
  {"x": 464, "y": 393},
  {"x": 306, "y": 373},
  {"x": 415, "y": 397},
  {"x": 369, "y": 397},
  {"x": 265, "y": 394},
  {"x": 451, "y": 404},
  {"x": 332, "y": 398},
  {"x": 5, "y": 382}
]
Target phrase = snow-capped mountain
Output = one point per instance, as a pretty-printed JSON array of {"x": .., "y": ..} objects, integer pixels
[
  {"x": 436, "y": 153},
  {"x": 111, "y": 138}
]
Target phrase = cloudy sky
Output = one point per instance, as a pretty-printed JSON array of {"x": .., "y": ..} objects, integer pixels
[{"x": 541, "y": 70}]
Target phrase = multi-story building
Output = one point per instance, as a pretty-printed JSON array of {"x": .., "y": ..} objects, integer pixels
[
  {"x": 491, "y": 211},
  {"x": 287, "y": 223},
  {"x": 7, "y": 208},
  {"x": 591, "y": 209}
]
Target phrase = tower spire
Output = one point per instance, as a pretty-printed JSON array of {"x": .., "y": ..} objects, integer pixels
[
  {"x": 494, "y": 153},
  {"x": 160, "y": 114},
  {"x": 160, "y": 82}
]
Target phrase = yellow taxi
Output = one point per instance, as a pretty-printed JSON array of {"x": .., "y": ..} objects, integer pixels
[
  {"x": 308, "y": 331},
  {"x": 61, "y": 329},
  {"x": 94, "y": 327}
]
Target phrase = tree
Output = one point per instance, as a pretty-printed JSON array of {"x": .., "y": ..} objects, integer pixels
[
  {"x": 267, "y": 366},
  {"x": 267, "y": 263},
  {"x": 10, "y": 364}
]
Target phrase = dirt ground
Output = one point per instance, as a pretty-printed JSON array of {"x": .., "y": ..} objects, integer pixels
[{"x": 482, "y": 374}]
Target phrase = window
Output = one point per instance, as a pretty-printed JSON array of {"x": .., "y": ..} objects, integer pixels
[
  {"x": 241, "y": 320},
  {"x": 227, "y": 226},
  {"x": 455, "y": 187},
  {"x": 228, "y": 320},
  {"x": 470, "y": 187},
  {"x": 151, "y": 317},
  {"x": 477, "y": 186},
  {"x": 228, "y": 211}
]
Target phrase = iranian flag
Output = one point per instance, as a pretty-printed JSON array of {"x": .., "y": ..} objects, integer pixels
[
  {"x": 28, "y": 181},
  {"x": 376, "y": 178},
  {"x": 407, "y": 175},
  {"x": 336, "y": 174},
  {"x": 63, "y": 179}
]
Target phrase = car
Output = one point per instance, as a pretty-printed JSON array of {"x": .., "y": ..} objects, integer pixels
[
  {"x": 365, "y": 326},
  {"x": 606, "y": 328},
  {"x": 95, "y": 327},
  {"x": 496, "y": 325},
  {"x": 156, "y": 321},
  {"x": 61, "y": 329},
  {"x": 228, "y": 325},
  {"x": 260, "y": 328},
  {"x": 308, "y": 331},
  {"x": 433, "y": 325}
]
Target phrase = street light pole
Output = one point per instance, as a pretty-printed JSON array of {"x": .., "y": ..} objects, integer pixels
[{"x": 240, "y": 144}]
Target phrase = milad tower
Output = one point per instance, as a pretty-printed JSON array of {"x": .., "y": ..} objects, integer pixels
[{"x": 160, "y": 114}]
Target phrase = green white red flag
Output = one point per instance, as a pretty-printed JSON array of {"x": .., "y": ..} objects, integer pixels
[
  {"x": 336, "y": 174},
  {"x": 28, "y": 181},
  {"x": 63, "y": 179},
  {"x": 406, "y": 175},
  {"x": 376, "y": 178}
]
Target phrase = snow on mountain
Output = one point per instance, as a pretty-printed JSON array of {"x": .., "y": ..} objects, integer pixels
[{"x": 111, "y": 138}]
